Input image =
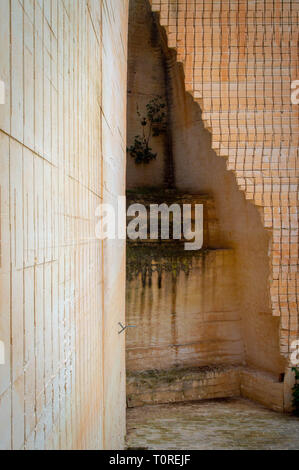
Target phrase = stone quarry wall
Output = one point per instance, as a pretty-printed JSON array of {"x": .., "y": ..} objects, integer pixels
[
  {"x": 198, "y": 169},
  {"x": 184, "y": 304},
  {"x": 239, "y": 58},
  {"x": 240, "y": 226},
  {"x": 204, "y": 383},
  {"x": 62, "y": 151},
  {"x": 192, "y": 319},
  {"x": 228, "y": 68}
]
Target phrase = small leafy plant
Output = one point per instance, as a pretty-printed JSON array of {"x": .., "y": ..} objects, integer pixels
[
  {"x": 296, "y": 392},
  {"x": 152, "y": 124}
]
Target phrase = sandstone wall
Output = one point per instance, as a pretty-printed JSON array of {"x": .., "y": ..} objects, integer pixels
[
  {"x": 198, "y": 169},
  {"x": 191, "y": 320},
  {"x": 184, "y": 304},
  {"x": 239, "y": 59},
  {"x": 62, "y": 151},
  {"x": 204, "y": 383}
]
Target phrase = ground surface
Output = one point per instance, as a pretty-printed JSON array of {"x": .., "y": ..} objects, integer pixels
[{"x": 221, "y": 424}]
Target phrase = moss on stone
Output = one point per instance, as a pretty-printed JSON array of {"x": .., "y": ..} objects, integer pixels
[{"x": 159, "y": 258}]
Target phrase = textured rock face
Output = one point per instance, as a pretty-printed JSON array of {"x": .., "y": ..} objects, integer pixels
[
  {"x": 184, "y": 318},
  {"x": 62, "y": 141},
  {"x": 226, "y": 62},
  {"x": 146, "y": 80},
  {"x": 240, "y": 58},
  {"x": 184, "y": 384},
  {"x": 184, "y": 304}
]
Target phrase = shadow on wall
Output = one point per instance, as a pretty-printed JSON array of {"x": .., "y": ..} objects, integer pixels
[
  {"x": 146, "y": 80},
  {"x": 198, "y": 169},
  {"x": 201, "y": 170}
]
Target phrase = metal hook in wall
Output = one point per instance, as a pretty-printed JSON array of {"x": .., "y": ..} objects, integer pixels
[{"x": 123, "y": 328}]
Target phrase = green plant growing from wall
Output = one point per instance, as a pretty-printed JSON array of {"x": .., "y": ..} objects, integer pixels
[
  {"x": 152, "y": 124},
  {"x": 296, "y": 392}
]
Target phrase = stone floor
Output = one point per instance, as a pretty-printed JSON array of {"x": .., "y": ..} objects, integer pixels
[{"x": 222, "y": 424}]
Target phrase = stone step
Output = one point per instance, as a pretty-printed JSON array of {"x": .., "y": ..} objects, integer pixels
[
  {"x": 179, "y": 385},
  {"x": 152, "y": 387}
]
